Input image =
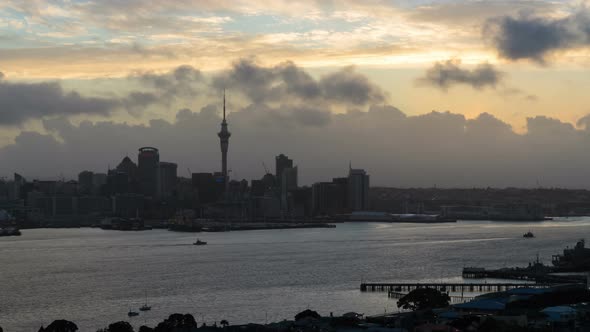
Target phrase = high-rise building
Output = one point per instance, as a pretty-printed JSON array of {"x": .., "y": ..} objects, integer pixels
[
  {"x": 148, "y": 162},
  {"x": 128, "y": 167},
  {"x": 224, "y": 136},
  {"x": 282, "y": 162},
  {"x": 168, "y": 179},
  {"x": 85, "y": 181},
  {"x": 330, "y": 198},
  {"x": 288, "y": 182},
  {"x": 358, "y": 190}
]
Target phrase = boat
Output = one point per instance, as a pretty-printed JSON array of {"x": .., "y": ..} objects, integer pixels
[
  {"x": 145, "y": 307},
  {"x": 132, "y": 313},
  {"x": 574, "y": 259},
  {"x": 200, "y": 243},
  {"x": 528, "y": 234}
]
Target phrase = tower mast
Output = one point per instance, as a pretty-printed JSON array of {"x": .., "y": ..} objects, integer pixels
[{"x": 224, "y": 136}]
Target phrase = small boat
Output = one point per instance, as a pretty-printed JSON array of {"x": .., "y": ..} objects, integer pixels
[
  {"x": 528, "y": 234},
  {"x": 132, "y": 313},
  {"x": 200, "y": 243},
  {"x": 145, "y": 307}
]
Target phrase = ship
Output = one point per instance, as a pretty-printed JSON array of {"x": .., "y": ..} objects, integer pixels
[
  {"x": 576, "y": 259},
  {"x": 528, "y": 234}
]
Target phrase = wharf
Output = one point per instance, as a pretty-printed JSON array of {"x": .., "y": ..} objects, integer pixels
[
  {"x": 449, "y": 287},
  {"x": 539, "y": 274}
]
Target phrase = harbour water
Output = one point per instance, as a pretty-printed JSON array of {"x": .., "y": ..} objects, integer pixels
[{"x": 93, "y": 277}]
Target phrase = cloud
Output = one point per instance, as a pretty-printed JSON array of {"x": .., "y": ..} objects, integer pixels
[
  {"x": 287, "y": 81},
  {"x": 446, "y": 74},
  {"x": 348, "y": 86},
  {"x": 442, "y": 148},
  {"x": 183, "y": 81},
  {"x": 534, "y": 38},
  {"x": 20, "y": 102}
]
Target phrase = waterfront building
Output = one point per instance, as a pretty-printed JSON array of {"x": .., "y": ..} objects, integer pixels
[
  {"x": 358, "y": 190},
  {"x": 85, "y": 182},
  {"x": 330, "y": 197},
  {"x": 148, "y": 162},
  {"x": 207, "y": 186},
  {"x": 224, "y": 136},
  {"x": 288, "y": 183},
  {"x": 282, "y": 162},
  {"x": 98, "y": 181},
  {"x": 128, "y": 167},
  {"x": 168, "y": 179}
]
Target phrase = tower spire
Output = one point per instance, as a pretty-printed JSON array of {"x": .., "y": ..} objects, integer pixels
[{"x": 224, "y": 136}]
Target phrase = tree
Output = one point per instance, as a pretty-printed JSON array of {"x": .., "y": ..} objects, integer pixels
[
  {"x": 144, "y": 328},
  {"x": 223, "y": 323},
  {"x": 424, "y": 298},
  {"x": 120, "y": 327},
  {"x": 307, "y": 313},
  {"x": 60, "y": 325},
  {"x": 177, "y": 322}
]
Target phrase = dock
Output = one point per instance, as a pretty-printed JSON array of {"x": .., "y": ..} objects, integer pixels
[{"x": 449, "y": 287}]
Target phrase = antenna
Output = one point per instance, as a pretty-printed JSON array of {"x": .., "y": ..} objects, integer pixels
[{"x": 224, "y": 104}]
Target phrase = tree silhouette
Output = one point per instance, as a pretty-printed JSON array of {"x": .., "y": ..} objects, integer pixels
[
  {"x": 120, "y": 327},
  {"x": 144, "y": 328},
  {"x": 424, "y": 298},
  {"x": 177, "y": 322},
  {"x": 223, "y": 323},
  {"x": 60, "y": 325}
]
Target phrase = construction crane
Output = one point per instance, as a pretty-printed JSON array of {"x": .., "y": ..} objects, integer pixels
[
  {"x": 265, "y": 168},
  {"x": 190, "y": 174}
]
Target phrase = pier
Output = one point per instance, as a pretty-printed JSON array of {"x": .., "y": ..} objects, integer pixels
[{"x": 449, "y": 287}]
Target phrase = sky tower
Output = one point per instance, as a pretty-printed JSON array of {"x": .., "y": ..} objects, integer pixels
[{"x": 224, "y": 135}]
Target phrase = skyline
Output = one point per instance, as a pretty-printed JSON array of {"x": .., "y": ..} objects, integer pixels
[{"x": 83, "y": 84}]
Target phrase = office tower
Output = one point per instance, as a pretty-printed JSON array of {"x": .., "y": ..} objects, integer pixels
[
  {"x": 148, "y": 162},
  {"x": 358, "y": 190}
]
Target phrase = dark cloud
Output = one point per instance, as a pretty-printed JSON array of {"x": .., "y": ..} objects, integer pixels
[
  {"x": 184, "y": 81},
  {"x": 446, "y": 74},
  {"x": 1, "y": 75},
  {"x": 349, "y": 87},
  {"x": 287, "y": 81},
  {"x": 530, "y": 37},
  {"x": 20, "y": 102}
]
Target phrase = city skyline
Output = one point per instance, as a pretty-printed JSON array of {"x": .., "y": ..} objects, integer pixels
[{"x": 448, "y": 94}]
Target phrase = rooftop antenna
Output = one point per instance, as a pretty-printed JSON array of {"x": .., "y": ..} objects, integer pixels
[{"x": 223, "y": 104}]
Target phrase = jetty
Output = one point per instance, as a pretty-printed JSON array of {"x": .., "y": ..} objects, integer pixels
[{"x": 449, "y": 287}]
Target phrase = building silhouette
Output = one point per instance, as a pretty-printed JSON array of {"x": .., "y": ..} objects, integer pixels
[
  {"x": 358, "y": 190},
  {"x": 168, "y": 179},
  {"x": 86, "y": 182},
  {"x": 281, "y": 163},
  {"x": 224, "y": 136},
  {"x": 148, "y": 167}
]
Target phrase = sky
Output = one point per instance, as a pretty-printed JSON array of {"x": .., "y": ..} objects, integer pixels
[{"x": 419, "y": 93}]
